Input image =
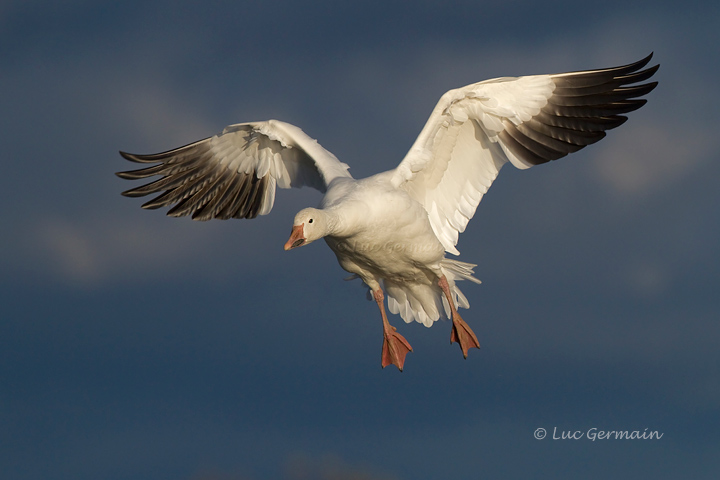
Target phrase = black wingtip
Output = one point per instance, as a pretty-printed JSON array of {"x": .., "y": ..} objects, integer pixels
[
  {"x": 648, "y": 72},
  {"x": 127, "y": 156},
  {"x": 640, "y": 63},
  {"x": 640, "y": 76},
  {"x": 632, "y": 67},
  {"x": 131, "y": 193},
  {"x": 651, "y": 86},
  {"x": 137, "y": 158}
]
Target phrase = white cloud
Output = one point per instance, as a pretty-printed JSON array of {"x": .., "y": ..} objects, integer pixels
[
  {"x": 647, "y": 158},
  {"x": 71, "y": 252},
  {"x": 94, "y": 250},
  {"x": 648, "y": 279}
]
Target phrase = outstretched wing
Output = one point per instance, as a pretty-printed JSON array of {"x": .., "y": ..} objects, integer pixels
[
  {"x": 473, "y": 131},
  {"x": 234, "y": 174}
]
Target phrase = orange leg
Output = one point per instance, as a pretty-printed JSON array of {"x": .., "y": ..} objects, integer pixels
[
  {"x": 461, "y": 332},
  {"x": 395, "y": 347}
]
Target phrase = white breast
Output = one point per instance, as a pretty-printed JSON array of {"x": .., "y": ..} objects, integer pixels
[{"x": 388, "y": 233}]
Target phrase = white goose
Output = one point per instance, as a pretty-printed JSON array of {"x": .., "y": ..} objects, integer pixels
[{"x": 392, "y": 229}]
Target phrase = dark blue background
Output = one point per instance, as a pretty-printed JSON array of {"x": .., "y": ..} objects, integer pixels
[{"x": 136, "y": 346}]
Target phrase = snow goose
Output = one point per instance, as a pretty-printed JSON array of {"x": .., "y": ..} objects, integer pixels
[{"x": 392, "y": 229}]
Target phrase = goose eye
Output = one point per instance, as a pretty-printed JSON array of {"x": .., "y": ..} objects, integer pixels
[{"x": 310, "y": 221}]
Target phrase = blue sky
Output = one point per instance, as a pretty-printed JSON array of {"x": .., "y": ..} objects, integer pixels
[{"x": 133, "y": 345}]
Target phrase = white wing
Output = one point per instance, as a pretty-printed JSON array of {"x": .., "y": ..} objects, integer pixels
[
  {"x": 234, "y": 174},
  {"x": 473, "y": 131}
]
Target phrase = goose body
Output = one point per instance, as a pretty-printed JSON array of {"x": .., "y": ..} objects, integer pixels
[
  {"x": 393, "y": 229},
  {"x": 385, "y": 236}
]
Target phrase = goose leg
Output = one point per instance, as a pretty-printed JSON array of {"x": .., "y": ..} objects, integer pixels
[
  {"x": 461, "y": 332},
  {"x": 395, "y": 347}
]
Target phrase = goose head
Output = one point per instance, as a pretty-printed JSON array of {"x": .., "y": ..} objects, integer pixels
[{"x": 309, "y": 225}]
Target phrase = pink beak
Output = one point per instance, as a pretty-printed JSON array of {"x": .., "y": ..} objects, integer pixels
[{"x": 297, "y": 237}]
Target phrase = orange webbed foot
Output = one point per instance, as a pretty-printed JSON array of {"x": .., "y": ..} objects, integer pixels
[
  {"x": 394, "y": 349},
  {"x": 463, "y": 335}
]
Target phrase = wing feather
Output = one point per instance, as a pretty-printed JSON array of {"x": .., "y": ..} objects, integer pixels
[
  {"x": 234, "y": 174},
  {"x": 473, "y": 131}
]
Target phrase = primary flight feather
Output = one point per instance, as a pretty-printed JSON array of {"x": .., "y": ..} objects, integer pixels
[{"x": 392, "y": 229}]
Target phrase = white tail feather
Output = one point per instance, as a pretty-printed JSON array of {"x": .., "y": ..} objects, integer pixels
[{"x": 426, "y": 303}]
